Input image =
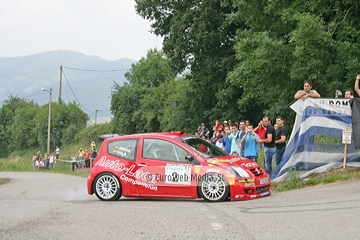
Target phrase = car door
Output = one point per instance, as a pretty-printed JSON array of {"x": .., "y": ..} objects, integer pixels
[{"x": 165, "y": 161}]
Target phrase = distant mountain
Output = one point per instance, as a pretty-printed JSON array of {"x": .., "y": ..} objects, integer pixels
[{"x": 24, "y": 77}]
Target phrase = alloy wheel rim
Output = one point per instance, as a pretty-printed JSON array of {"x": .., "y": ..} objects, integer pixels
[
  {"x": 213, "y": 187},
  {"x": 106, "y": 187}
]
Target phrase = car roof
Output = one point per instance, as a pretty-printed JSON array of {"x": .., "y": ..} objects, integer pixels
[{"x": 111, "y": 137}]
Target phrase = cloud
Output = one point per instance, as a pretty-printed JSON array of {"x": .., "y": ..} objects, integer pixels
[{"x": 109, "y": 29}]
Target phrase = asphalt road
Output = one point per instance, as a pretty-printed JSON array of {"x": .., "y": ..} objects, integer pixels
[{"x": 41, "y": 205}]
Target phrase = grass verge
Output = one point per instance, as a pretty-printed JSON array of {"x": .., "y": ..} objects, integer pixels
[
  {"x": 4, "y": 180},
  {"x": 333, "y": 176}
]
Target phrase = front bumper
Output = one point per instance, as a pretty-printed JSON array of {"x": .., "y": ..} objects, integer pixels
[{"x": 249, "y": 190}]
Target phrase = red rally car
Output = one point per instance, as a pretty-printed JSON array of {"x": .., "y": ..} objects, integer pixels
[{"x": 157, "y": 165}]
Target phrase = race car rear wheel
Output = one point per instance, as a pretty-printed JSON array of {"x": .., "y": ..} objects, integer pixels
[
  {"x": 214, "y": 188},
  {"x": 107, "y": 187}
]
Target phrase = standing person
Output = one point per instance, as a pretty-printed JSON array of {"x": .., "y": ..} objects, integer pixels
[
  {"x": 307, "y": 92},
  {"x": 87, "y": 158},
  {"x": 204, "y": 131},
  {"x": 219, "y": 127},
  {"x": 280, "y": 140},
  {"x": 51, "y": 161},
  {"x": 251, "y": 140},
  {"x": 235, "y": 145},
  {"x": 92, "y": 144},
  {"x": 239, "y": 135},
  {"x": 269, "y": 144},
  {"x": 81, "y": 157},
  {"x": 39, "y": 156},
  {"x": 57, "y": 152},
  {"x": 73, "y": 161},
  {"x": 260, "y": 130},
  {"x": 93, "y": 154},
  {"x": 33, "y": 160},
  {"x": 226, "y": 141},
  {"x": 47, "y": 161},
  {"x": 37, "y": 162},
  {"x": 216, "y": 133},
  {"x": 356, "y": 87}
]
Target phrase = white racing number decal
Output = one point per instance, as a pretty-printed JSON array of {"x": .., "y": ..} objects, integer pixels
[
  {"x": 142, "y": 178},
  {"x": 178, "y": 174}
]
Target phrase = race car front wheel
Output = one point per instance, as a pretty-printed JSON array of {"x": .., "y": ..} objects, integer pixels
[
  {"x": 107, "y": 187},
  {"x": 214, "y": 188}
]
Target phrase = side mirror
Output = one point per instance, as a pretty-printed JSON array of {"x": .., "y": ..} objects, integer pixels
[{"x": 189, "y": 158}]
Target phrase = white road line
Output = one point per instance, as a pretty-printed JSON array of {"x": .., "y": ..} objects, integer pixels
[{"x": 216, "y": 226}]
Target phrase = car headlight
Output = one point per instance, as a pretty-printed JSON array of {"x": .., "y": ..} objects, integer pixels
[{"x": 239, "y": 171}]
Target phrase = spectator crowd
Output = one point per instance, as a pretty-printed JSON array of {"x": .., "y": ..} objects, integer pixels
[
  {"x": 80, "y": 160},
  {"x": 246, "y": 140}
]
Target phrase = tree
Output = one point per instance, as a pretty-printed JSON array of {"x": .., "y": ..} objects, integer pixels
[
  {"x": 197, "y": 35},
  {"x": 67, "y": 119},
  {"x": 137, "y": 105},
  {"x": 23, "y": 125},
  {"x": 7, "y": 114},
  {"x": 285, "y": 43}
]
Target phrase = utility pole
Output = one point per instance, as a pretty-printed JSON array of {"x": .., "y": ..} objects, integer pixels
[
  {"x": 49, "y": 120},
  {"x": 96, "y": 115},
  {"x": 60, "y": 88}
]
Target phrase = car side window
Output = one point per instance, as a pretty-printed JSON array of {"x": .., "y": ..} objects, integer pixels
[
  {"x": 125, "y": 148},
  {"x": 163, "y": 150}
]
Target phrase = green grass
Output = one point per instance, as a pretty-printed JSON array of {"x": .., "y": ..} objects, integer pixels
[
  {"x": 4, "y": 180},
  {"x": 297, "y": 183},
  {"x": 20, "y": 161}
]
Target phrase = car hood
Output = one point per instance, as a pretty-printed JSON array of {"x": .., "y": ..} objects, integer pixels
[{"x": 232, "y": 161}]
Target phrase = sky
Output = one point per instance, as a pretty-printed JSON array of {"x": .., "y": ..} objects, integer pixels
[{"x": 109, "y": 29}]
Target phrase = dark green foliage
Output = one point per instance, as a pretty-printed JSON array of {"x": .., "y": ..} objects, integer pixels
[
  {"x": 24, "y": 125},
  {"x": 197, "y": 36},
  {"x": 7, "y": 115},
  {"x": 138, "y": 105},
  {"x": 247, "y": 58}
]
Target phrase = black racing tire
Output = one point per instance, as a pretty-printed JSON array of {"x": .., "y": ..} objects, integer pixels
[
  {"x": 107, "y": 187},
  {"x": 214, "y": 188}
]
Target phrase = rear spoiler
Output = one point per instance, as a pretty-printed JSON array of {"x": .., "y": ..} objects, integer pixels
[{"x": 109, "y": 135}]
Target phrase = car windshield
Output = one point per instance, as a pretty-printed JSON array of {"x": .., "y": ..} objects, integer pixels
[{"x": 205, "y": 148}]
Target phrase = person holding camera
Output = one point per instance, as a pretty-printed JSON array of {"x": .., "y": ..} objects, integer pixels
[
  {"x": 227, "y": 139},
  {"x": 348, "y": 94},
  {"x": 260, "y": 130},
  {"x": 250, "y": 142},
  {"x": 239, "y": 135}
]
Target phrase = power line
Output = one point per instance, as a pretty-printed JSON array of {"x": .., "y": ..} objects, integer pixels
[
  {"x": 91, "y": 112},
  {"x": 74, "y": 93},
  {"x": 33, "y": 95},
  {"x": 90, "y": 70}
]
